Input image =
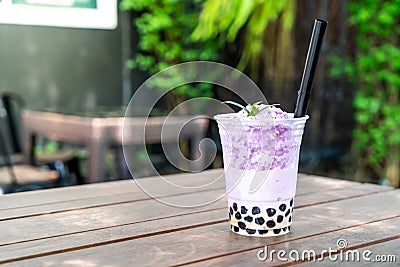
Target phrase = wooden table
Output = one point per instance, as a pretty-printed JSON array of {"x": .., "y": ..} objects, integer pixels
[
  {"x": 116, "y": 224},
  {"x": 98, "y": 130}
]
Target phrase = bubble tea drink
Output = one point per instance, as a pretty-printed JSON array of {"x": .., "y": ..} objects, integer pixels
[{"x": 260, "y": 153}]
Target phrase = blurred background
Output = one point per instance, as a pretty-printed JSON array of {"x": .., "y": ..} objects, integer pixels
[{"x": 354, "y": 112}]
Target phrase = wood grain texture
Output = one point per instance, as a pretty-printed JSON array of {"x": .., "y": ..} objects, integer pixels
[
  {"x": 198, "y": 244},
  {"x": 64, "y": 226},
  {"x": 100, "y": 226},
  {"x": 358, "y": 237},
  {"x": 100, "y": 190}
]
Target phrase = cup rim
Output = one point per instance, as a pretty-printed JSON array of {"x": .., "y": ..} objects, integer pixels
[{"x": 234, "y": 117}]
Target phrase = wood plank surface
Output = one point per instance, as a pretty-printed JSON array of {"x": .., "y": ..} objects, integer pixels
[
  {"x": 188, "y": 244},
  {"x": 384, "y": 253},
  {"x": 114, "y": 193},
  {"x": 128, "y": 229},
  {"x": 358, "y": 237},
  {"x": 128, "y": 225},
  {"x": 100, "y": 190},
  {"x": 390, "y": 250}
]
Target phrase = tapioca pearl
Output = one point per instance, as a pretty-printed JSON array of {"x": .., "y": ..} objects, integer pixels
[
  {"x": 277, "y": 231},
  {"x": 255, "y": 210},
  {"x": 284, "y": 229},
  {"x": 290, "y": 219},
  {"x": 238, "y": 216},
  {"x": 235, "y": 229},
  {"x": 271, "y": 212},
  {"x": 230, "y": 210},
  {"x": 291, "y": 202},
  {"x": 248, "y": 218},
  {"x": 282, "y": 207},
  {"x": 263, "y": 232},
  {"x": 288, "y": 228},
  {"x": 279, "y": 219},
  {"x": 229, "y": 216},
  {"x": 242, "y": 225},
  {"x": 243, "y": 210},
  {"x": 287, "y": 213},
  {"x": 235, "y": 206},
  {"x": 250, "y": 231},
  {"x": 259, "y": 221},
  {"x": 271, "y": 223}
]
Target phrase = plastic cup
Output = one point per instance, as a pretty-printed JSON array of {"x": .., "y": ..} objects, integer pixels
[{"x": 260, "y": 158}]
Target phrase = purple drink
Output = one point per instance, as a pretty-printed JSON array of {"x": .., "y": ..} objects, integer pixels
[{"x": 261, "y": 155}]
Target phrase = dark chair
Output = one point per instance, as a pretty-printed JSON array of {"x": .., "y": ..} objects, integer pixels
[
  {"x": 17, "y": 178},
  {"x": 66, "y": 162}
]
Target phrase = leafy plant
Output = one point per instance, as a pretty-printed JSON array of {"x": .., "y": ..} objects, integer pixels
[
  {"x": 229, "y": 17},
  {"x": 165, "y": 28},
  {"x": 375, "y": 71}
]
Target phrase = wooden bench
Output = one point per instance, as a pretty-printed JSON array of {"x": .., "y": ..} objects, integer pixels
[{"x": 27, "y": 175}]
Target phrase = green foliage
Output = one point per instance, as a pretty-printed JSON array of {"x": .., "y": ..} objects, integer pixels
[
  {"x": 376, "y": 72},
  {"x": 228, "y": 17},
  {"x": 49, "y": 147},
  {"x": 165, "y": 28}
]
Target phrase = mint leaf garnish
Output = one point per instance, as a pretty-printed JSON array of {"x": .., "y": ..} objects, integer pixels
[{"x": 251, "y": 109}]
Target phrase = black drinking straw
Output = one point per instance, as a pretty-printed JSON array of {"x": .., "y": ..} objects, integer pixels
[{"x": 309, "y": 68}]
